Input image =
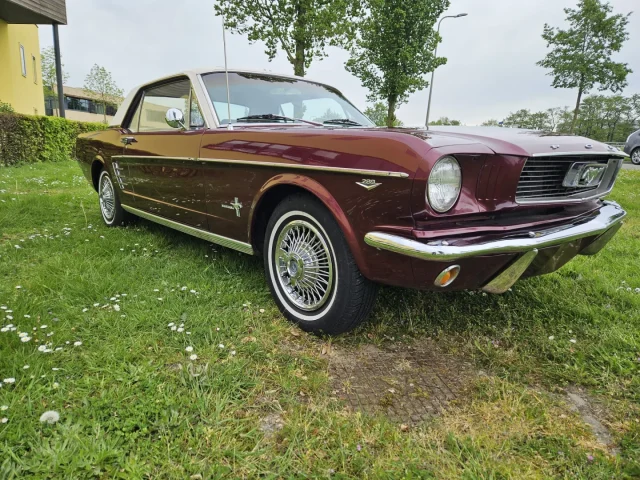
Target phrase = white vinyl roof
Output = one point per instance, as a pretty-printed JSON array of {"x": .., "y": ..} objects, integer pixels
[{"x": 116, "y": 121}]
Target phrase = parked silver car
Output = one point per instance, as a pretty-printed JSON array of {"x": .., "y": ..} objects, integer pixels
[{"x": 632, "y": 147}]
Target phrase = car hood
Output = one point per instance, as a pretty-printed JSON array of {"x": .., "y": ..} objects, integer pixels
[{"x": 508, "y": 141}]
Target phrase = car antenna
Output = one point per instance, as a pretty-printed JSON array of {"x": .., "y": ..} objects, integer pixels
[{"x": 226, "y": 73}]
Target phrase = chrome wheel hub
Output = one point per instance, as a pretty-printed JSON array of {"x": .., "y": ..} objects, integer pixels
[
  {"x": 635, "y": 158},
  {"x": 304, "y": 265},
  {"x": 107, "y": 198}
]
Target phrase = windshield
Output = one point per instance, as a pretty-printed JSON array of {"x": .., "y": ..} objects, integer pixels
[{"x": 274, "y": 98}]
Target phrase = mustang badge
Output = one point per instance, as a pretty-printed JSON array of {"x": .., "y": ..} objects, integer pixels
[
  {"x": 235, "y": 205},
  {"x": 368, "y": 183}
]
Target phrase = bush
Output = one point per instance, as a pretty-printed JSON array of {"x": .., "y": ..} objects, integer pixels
[
  {"x": 6, "y": 107},
  {"x": 32, "y": 139}
]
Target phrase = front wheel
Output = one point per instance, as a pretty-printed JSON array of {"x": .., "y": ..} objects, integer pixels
[
  {"x": 112, "y": 212},
  {"x": 310, "y": 270},
  {"x": 635, "y": 156}
]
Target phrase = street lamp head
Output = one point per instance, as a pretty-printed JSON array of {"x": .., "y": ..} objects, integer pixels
[{"x": 462, "y": 15}]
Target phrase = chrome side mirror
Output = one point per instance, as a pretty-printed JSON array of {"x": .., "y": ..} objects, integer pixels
[{"x": 175, "y": 118}]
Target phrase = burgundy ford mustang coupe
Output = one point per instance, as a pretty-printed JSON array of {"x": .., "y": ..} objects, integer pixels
[{"x": 290, "y": 169}]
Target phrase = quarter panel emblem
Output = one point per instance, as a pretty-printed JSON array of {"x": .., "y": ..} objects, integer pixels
[
  {"x": 368, "y": 183},
  {"x": 235, "y": 205}
]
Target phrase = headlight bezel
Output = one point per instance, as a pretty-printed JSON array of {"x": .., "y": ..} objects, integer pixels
[{"x": 434, "y": 203}]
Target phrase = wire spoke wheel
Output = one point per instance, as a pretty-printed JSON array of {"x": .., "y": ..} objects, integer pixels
[
  {"x": 304, "y": 265},
  {"x": 107, "y": 198}
]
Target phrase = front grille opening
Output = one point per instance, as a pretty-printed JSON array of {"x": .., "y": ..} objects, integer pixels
[{"x": 542, "y": 177}]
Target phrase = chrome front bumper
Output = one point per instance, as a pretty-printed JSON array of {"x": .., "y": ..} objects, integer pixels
[{"x": 601, "y": 224}]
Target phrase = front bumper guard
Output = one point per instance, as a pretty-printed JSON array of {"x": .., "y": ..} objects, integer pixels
[{"x": 602, "y": 224}]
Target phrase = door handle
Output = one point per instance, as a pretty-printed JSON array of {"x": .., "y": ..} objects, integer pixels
[{"x": 128, "y": 140}]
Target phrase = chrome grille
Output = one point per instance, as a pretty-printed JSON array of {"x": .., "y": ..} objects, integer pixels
[{"x": 541, "y": 178}]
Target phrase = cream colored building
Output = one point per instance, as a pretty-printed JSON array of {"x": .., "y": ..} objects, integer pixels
[{"x": 80, "y": 106}]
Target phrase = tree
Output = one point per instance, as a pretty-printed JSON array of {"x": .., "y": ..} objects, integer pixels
[
  {"x": 301, "y": 28},
  {"x": 580, "y": 57},
  {"x": 49, "y": 79},
  {"x": 394, "y": 49},
  {"x": 446, "y": 121},
  {"x": 378, "y": 114},
  {"x": 100, "y": 86}
]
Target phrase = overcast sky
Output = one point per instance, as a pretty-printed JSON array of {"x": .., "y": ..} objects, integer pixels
[{"x": 491, "y": 53}]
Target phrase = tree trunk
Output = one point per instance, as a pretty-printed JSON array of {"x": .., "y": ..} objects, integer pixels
[
  {"x": 575, "y": 112},
  {"x": 298, "y": 65},
  {"x": 391, "y": 111}
]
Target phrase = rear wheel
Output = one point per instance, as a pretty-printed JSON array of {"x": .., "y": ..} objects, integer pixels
[
  {"x": 310, "y": 270},
  {"x": 635, "y": 156},
  {"x": 112, "y": 212}
]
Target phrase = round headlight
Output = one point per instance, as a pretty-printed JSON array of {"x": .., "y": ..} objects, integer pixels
[{"x": 445, "y": 181}]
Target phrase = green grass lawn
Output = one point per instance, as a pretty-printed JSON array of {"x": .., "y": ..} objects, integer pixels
[{"x": 114, "y": 316}]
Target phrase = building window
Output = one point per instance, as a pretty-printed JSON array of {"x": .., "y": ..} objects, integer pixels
[
  {"x": 35, "y": 69},
  {"x": 23, "y": 61}
]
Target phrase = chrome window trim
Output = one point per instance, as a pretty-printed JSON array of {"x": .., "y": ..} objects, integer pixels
[
  {"x": 226, "y": 161},
  {"x": 196, "y": 232}
]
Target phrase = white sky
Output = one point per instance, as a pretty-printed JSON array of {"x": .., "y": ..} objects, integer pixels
[{"x": 491, "y": 53}]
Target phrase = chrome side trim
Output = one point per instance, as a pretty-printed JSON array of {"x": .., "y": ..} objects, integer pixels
[
  {"x": 618, "y": 153},
  {"x": 196, "y": 232},
  {"x": 255, "y": 163},
  {"x": 508, "y": 277},
  {"x": 609, "y": 215}
]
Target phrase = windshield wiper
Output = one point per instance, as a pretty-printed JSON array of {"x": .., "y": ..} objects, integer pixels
[
  {"x": 342, "y": 121},
  {"x": 270, "y": 116},
  {"x": 266, "y": 116}
]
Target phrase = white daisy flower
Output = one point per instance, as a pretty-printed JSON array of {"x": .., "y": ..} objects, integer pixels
[
  {"x": 174, "y": 328},
  {"x": 27, "y": 316},
  {"x": 551, "y": 337},
  {"x": 96, "y": 304},
  {"x": 116, "y": 307},
  {"x": 192, "y": 291},
  {"x": 84, "y": 310},
  {"x": 50, "y": 417},
  {"x": 4, "y": 420},
  {"x": 188, "y": 333},
  {"x": 171, "y": 324},
  {"x": 180, "y": 329},
  {"x": 9, "y": 380},
  {"x": 189, "y": 349},
  {"x": 56, "y": 385},
  {"x": 156, "y": 289},
  {"x": 233, "y": 352},
  {"x": 77, "y": 344},
  {"x": 42, "y": 348},
  {"x": 18, "y": 287},
  {"x": 43, "y": 326},
  {"x": 22, "y": 334},
  {"x": 573, "y": 340},
  {"x": 193, "y": 357},
  {"x": 262, "y": 310},
  {"x": 221, "y": 346},
  {"x": 26, "y": 367},
  {"x": 4, "y": 329},
  {"x": 4, "y": 407}
]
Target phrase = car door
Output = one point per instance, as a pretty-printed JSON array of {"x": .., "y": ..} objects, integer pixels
[{"x": 163, "y": 170}]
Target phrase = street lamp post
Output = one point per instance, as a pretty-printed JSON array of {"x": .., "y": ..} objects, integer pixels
[{"x": 435, "y": 54}]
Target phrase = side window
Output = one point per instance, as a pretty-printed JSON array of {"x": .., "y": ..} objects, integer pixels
[
  {"x": 196, "y": 120},
  {"x": 158, "y": 100}
]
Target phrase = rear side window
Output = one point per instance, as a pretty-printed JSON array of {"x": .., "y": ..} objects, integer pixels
[{"x": 157, "y": 100}]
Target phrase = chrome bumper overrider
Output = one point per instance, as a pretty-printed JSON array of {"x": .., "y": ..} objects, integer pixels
[{"x": 601, "y": 224}]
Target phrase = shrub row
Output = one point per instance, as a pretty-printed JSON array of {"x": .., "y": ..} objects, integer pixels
[{"x": 31, "y": 139}]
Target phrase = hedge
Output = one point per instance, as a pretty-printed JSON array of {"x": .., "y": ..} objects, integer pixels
[{"x": 32, "y": 139}]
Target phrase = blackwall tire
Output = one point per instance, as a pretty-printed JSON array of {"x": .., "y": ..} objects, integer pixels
[
  {"x": 312, "y": 275},
  {"x": 635, "y": 156},
  {"x": 111, "y": 210}
]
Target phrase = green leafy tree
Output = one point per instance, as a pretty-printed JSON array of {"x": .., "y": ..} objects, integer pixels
[
  {"x": 101, "y": 87},
  {"x": 49, "y": 79},
  {"x": 580, "y": 57},
  {"x": 394, "y": 49},
  {"x": 491, "y": 123},
  {"x": 526, "y": 119},
  {"x": 378, "y": 114},
  {"x": 301, "y": 28},
  {"x": 446, "y": 121}
]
